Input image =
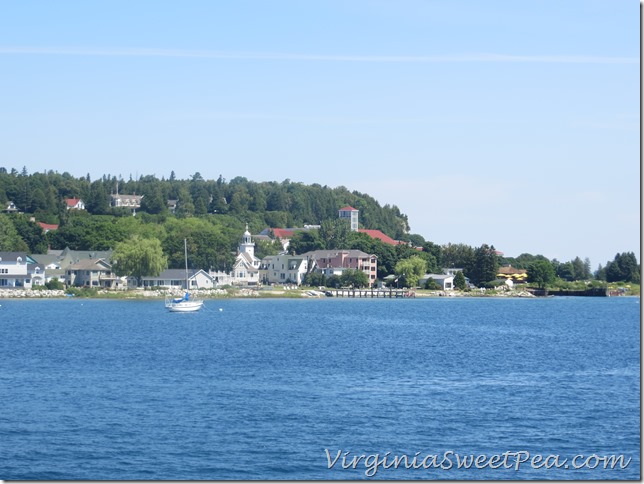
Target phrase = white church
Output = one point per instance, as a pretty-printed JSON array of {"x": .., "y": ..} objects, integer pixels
[{"x": 246, "y": 266}]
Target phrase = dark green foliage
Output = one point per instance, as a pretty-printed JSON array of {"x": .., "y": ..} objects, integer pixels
[
  {"x": 154, "y": 201},
  {"x": 354, "y": 278},
  {"x": 541, "y": 273},
  {"x": 10, "y": 241},
  {"x": 315, "y": 279},
  {"x": 522, "y": 261},
  {"x": 623, "y": 268},
  {"x": 273, "y": 204},
  {"x": 30, "y": 232},
  {"x": 54, "y": 284},
  {"x": 566, "y": 271},
  {"x": 432, "y": 285},
  {"x": 483, "y": 266},
  {"x": 334, "y": 282},
  {"x": 306, "y": 241},
  {"x": 459, "y": 281},
  {"x": 457, "y": 255},
  {"x": 98, "y": 199},
  {"x": 265, "y": 248}
]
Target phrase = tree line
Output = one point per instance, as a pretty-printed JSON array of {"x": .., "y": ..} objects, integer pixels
[{"x": 261, "y": 204}]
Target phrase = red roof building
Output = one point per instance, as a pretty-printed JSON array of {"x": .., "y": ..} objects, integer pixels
[
  {"x": 377, "y": 234},
  {"x": 74, "y": 204},
  {"x": 47, "y": 227},
  {"x": 283, "y": 233}
]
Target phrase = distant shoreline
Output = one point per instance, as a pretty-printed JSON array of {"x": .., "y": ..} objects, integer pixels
[{"x": 245, "y": 293}]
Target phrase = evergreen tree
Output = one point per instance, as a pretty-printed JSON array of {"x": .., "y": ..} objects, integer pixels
[
  {"x": 185, "y": 206},
  {"x": 98, "y": 202},
  {"x": 153, "y": 201},
  {"x": 624, "y": 267},
  {"x": 10, "y": 241},
  {"x": 459, "y": 281},
  {"x": 484, "y": 265}
]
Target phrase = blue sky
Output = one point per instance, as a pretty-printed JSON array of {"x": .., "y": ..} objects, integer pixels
[{"x": 509, "y": 123}]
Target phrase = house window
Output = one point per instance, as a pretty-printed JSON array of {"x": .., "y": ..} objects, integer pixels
[{"x": 4, "y": 282}]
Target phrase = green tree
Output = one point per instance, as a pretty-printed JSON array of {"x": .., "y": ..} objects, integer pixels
[
  {"x": 580, "y": 270},
  {"x": 31, "y": 233},
  {"x": 456, "y": 255},
  {"x": 153, "y": 201},
  {"x": 354, "y": 278},
  {"x": 624, "y": 267},
  {"x": 566, "y": 271},
  {"x": 98, "y": 201},
  {"x": 138, "y": 257},
  {"x": 185, "y": 205},
  {"x": 484, "y": 265},
  {"x": 542, "y": 273},
  {"x": 412, "y": 268},
  {"x": 264, "y": 248},
  {"x": 10, "y": 241},
  {"x": 334, "y": 234},
  {"x": 459, "y": 281},
  {"x": 314, "y": 279},
  {"x": 305, "y": 241}
]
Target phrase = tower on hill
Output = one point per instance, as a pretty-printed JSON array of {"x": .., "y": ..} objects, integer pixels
[{"x": 350, "y": 214}]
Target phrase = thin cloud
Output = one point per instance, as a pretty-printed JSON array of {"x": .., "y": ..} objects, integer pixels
[{"x": 268, "y": 56}]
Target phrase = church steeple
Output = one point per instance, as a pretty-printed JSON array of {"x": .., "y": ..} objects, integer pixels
[{"x": 247, "y": 245}]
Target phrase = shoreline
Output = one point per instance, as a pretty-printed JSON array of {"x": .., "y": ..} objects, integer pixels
[{"x": 243, "y": 293}]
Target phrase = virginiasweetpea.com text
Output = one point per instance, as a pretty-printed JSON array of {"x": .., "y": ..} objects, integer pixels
[{"x": 372, "y": 463}]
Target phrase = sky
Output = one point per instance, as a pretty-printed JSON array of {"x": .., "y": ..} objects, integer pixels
[{"x": 509, "y": 123}]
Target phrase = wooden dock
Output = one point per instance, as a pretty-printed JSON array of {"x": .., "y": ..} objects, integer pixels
[{"x": 371, "y": 293}]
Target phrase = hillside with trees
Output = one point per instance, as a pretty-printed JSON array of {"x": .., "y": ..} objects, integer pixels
[{"x": 212, "y": 214}]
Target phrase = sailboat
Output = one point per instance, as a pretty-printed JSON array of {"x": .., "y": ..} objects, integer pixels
[{"x": 184, "y": 304}]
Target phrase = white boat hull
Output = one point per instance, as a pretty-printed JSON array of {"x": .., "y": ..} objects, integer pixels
[{"x": 184, "y": 306}]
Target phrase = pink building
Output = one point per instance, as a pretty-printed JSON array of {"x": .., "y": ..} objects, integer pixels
[{"x": 334, "y": 262}]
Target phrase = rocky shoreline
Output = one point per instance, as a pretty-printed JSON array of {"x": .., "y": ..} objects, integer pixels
[{"x": 232, "y": 293}]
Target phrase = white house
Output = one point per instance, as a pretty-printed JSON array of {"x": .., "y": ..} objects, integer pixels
[
  {"x": 446, "y": 282},
  {"x": 176, "y": 279},
  {"x": 18, "y": 270},
  {"x": 10, "y": 207},
  {"x": 246, "y": 266},
  {"x": 127, "y": 201},
  {"x": 74, "y": 204},
  {"x": 283, "y": 269},
  {"x": 221, "y": 278}
]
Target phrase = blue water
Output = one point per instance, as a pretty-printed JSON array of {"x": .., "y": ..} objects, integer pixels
[{"x": 265, "y": 389}]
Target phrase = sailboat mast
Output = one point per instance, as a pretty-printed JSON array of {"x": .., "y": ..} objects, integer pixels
[{"x": 185, "y": 254}]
